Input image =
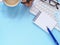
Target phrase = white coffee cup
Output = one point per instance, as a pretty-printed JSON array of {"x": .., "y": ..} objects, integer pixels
[{"x": 10, "y": 4}]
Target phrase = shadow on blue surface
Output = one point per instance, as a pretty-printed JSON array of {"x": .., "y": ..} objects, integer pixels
[{"x": 14, "y": 11}]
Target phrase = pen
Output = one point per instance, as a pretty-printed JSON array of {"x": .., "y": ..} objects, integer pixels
[{"x": 52, "y": 36}]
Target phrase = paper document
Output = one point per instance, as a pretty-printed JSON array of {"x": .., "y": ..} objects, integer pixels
[
  {"x": 34, "y": 10},
  {"x": 44, "y": 20},
  {"x": 45, "y": 7}
]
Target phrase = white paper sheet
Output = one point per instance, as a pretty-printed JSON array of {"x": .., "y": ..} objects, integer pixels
[
  {"x": 44, "y": 7},
  {"x": 34, "y": 10},
  {"x": 44, "y": 20}
]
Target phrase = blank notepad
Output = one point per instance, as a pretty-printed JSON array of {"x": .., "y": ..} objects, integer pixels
[
  {"x": 44, "y": 20},
  {"x": 44, "y": 7}
]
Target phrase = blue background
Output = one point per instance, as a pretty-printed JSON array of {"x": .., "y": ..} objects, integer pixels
[{"x": 17, "y": 28}]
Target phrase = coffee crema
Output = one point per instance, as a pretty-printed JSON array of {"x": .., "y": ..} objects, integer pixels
[{"x": 11, "y": 2}]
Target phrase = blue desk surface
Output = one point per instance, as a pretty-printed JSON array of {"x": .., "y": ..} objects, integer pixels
[{"x": 17, "y": 28}]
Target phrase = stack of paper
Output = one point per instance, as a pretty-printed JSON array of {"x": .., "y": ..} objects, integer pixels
[
  {"x": 34, "y": 10},
  {"x": 44, "y": 15}
]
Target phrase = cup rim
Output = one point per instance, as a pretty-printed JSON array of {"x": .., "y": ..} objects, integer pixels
[{"x": 11, "y": 5}]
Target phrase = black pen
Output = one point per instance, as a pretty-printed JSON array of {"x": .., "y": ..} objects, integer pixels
[{"x": 52, "y": 36}]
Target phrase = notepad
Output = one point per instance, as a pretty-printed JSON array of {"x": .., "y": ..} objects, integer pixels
[
  {"x": 44, "y": 20},
  {"x": 57, "y": 15},
  {"x": 34, "y": 10},
  {"x": 43, "y": 6}
]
